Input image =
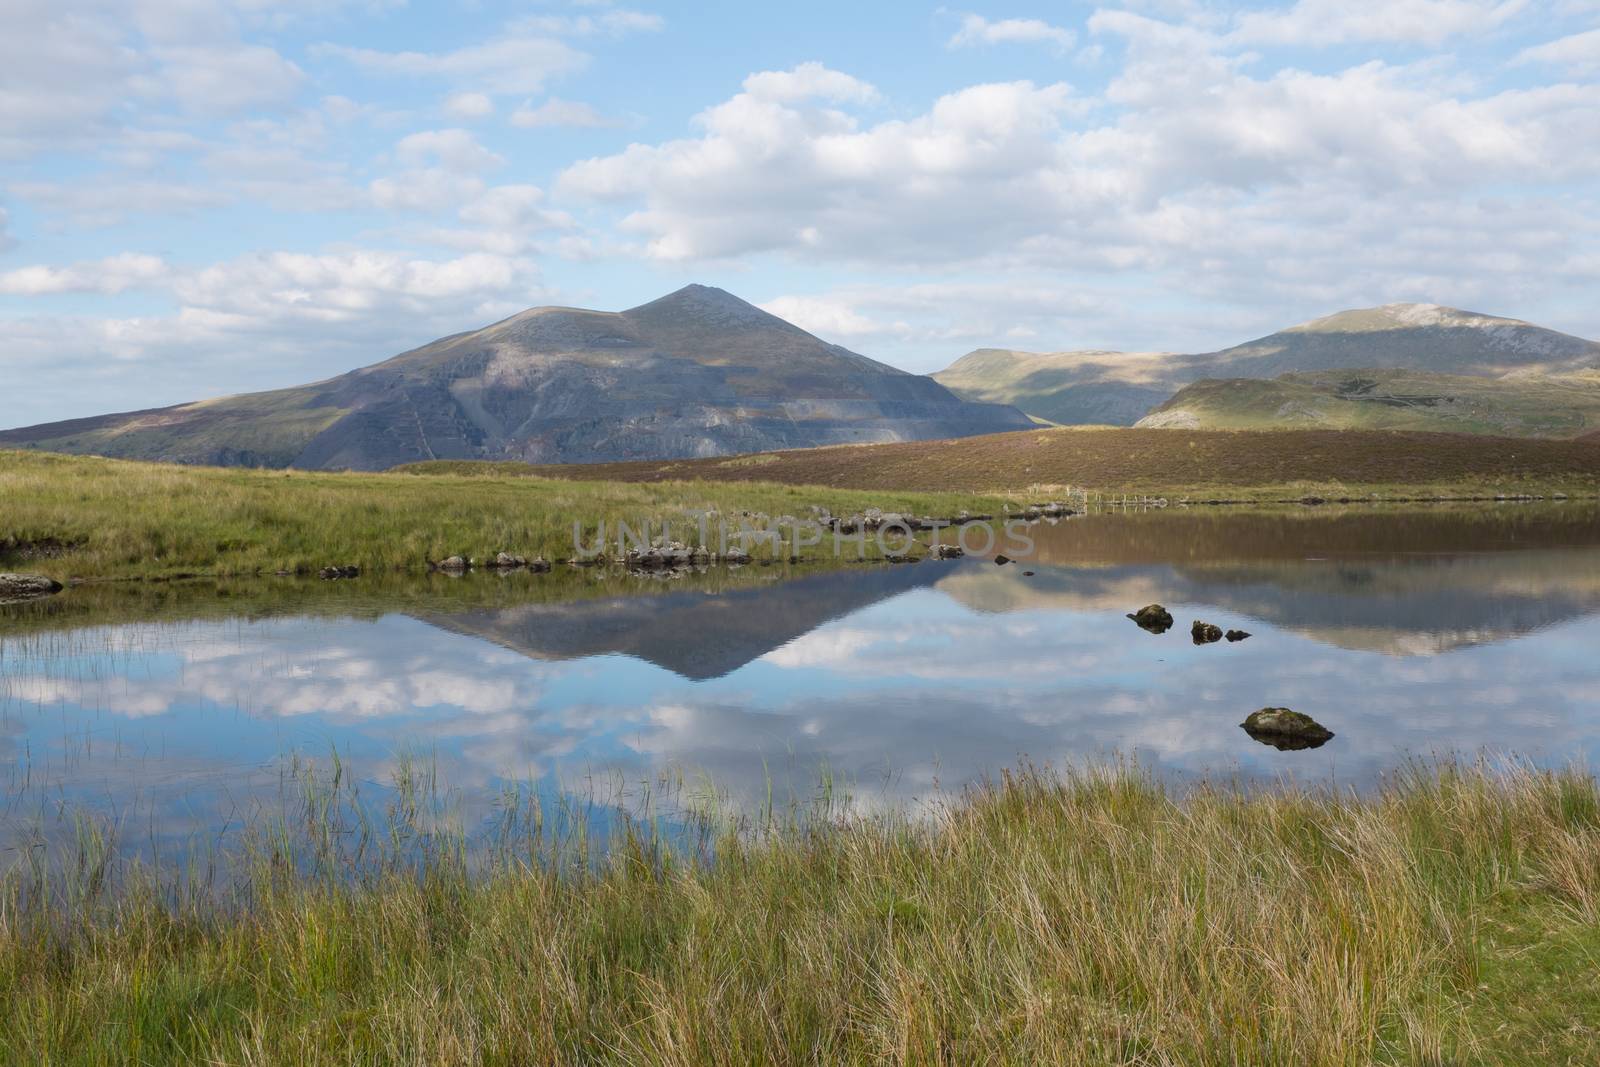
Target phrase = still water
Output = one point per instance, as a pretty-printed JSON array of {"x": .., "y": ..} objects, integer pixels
[{"x": 172, "y": 709}]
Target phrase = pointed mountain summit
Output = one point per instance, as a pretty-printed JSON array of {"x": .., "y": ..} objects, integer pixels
[
  {"x": 1119, "y": 387},
  {"x": 698, "y": 372}
]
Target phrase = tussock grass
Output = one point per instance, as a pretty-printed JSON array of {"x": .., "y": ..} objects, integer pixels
[
  {"x": 1087, "y": 918},
  {"x": 71, "y": 516}
]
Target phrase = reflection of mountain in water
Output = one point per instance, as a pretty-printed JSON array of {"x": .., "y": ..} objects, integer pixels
[
  {"x": 693, "y": 633},
  {"x": 1407, "y": 583}
]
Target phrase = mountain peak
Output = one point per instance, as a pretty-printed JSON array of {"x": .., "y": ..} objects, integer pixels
[
  {"x": 1400, "y": 317},
  {"x": 706, "y": 304}
]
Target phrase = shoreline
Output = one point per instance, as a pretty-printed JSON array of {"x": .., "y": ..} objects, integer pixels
[{"x": 1016, "y": 922}]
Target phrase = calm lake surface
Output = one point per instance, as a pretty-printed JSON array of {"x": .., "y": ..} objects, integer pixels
[{"x": 175, "y": 709}]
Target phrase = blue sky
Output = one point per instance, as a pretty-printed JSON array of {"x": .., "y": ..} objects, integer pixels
[{"x": 200, "y": 197}]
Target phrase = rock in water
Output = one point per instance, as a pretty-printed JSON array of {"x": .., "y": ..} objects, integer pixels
[
  {"x": 453, "y": 565},
  {"x": 1153, "y": 617},
  {"x": 948, "y": 552},
  {"x": 1286, "y": 730},
  {"x": 330, "y": 574},
  {"x": 27, "y": 586},
  {"x": 1235, "y": 636},
  {"x": 1204, "y": 633}
]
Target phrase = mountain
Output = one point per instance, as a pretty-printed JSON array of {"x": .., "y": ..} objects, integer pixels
[
  {"x": 696, "y": 373},
  {"x": 1515, "y": 405},
  {"x": 1119, "y": 387}
]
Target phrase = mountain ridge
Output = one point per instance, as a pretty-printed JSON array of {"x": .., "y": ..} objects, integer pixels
[
  {"x": 1100, "y": 386},
  {"x": 697, "y": 372}
]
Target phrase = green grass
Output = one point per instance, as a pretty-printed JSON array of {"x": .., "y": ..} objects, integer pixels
[
  {"x": 70, "y": 516},
  {"x": 1091, "y": 918},
  {"x": 1513, "y": 406}
]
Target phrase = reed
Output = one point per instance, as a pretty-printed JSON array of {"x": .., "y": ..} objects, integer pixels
[{"x": 1084, "y": 917}]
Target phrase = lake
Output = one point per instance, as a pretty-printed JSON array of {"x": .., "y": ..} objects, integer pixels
[{"x": 175, "y": 711}]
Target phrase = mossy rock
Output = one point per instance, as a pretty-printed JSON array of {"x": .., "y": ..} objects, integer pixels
[
  {"x": 1152, "y": 617},
  {"x": 1284, "y": 729}
]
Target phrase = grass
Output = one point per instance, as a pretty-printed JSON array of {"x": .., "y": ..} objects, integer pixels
[
  {"x": 71, "y": 516},
  {"x": 1084, "y": 918},
  {"x": 1199, "y": 465},
  {"x": 1513, "y": 406}
]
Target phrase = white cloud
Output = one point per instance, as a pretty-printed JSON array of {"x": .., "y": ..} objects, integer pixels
[
  {"x": 1325, "y": 22},
  {"x": 229, "y": 78},
  {"x": 808, "y": 81},
  {"x": 1578, "y": 53},
  {"x": 557, "y": 112},
  {"x": 111, "y": 275},
  {"x": 772, "y": 171},
  {"x": 453, "y": 149},
  {"x": 7, "y": 242},
  {"x": 514, "y": 65},
  {"x": 977, "y": 30},
  {"x": 430, "y": 189},
  {"x": 611, "y": 23},
  {"x": 827, "y": 318},
  {"x": 468, "y": 105}
]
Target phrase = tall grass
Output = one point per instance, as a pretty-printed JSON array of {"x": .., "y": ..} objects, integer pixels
[
  {"x": 79, "y": 516},
  {"x": 1079, "y": 918}
]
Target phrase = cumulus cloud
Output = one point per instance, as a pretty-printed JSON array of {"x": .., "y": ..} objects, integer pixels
[
  {"x": 1319, "y": 23},
  {"x": 110, "y": 275},
  {"x": 612, "y": 23},
  {"x": 468, "y": 105},
  {"x": 977, "y": 30},
  {"x": 558, "y": 112},
  {"x": 513, "y": 65},
  {"x": 773, "y": 170},
  {"x": 454, "y": 149},
  {"x": 1577, "y": 53}
]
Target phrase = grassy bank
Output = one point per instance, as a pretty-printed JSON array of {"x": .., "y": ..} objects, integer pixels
[
  {"x": 1198, "y": 464},
  {"x": 1451, "y": 918},
  {"x": 70, "y": 516}
]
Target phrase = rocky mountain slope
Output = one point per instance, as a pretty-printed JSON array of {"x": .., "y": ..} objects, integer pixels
[
  {"x": 1521, "y": 404},
  {"x": 1118, "y": 388},
  {"x": 696, "y": 373}
]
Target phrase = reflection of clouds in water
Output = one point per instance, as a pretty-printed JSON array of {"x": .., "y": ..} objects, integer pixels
[
  {"x": 291, "y": 669},
  {"x": 926, "y": 687}
]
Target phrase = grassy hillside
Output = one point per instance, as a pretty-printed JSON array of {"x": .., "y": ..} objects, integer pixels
[
  {"x": 1120, "y": 387},
  {"x": 1068, "y": 388},
  {"x": 1515, "y": 406},
  {"x": 1096, "y": 919},
  {"x": 69, "y": 516},
  {"x": 1164, "y": 462}
]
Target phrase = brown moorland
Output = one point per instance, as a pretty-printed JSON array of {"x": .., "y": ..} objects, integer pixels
[{"x": 1134, "y": 460}]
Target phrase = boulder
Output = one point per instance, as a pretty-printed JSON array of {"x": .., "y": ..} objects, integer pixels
[
  {"x": 507, "y": 562},
  {"x": 539, "y": 565},
  {"x": 331, "y": 574},
  {"x": 1204, "y": 633},
  {"x": 947, "y": 552},
  {"x": 453, "y": 565},
  {"x": 27, "y": 586},
  {"x": 1235, "y": 636},
  {"x": 1286, "y": 730},
  {"x": 1153, "y": 617},
  {"x": 1002, "y": 559}
]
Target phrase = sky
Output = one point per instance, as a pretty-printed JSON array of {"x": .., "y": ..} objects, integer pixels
[{"x": 203, "y": 197}]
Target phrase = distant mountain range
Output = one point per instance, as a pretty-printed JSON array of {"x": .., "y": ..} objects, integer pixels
[
  {"x": 696, "y": 373},
  {"x": 1520, "y": 404},
  {"x": 1119, "y": 388}
]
